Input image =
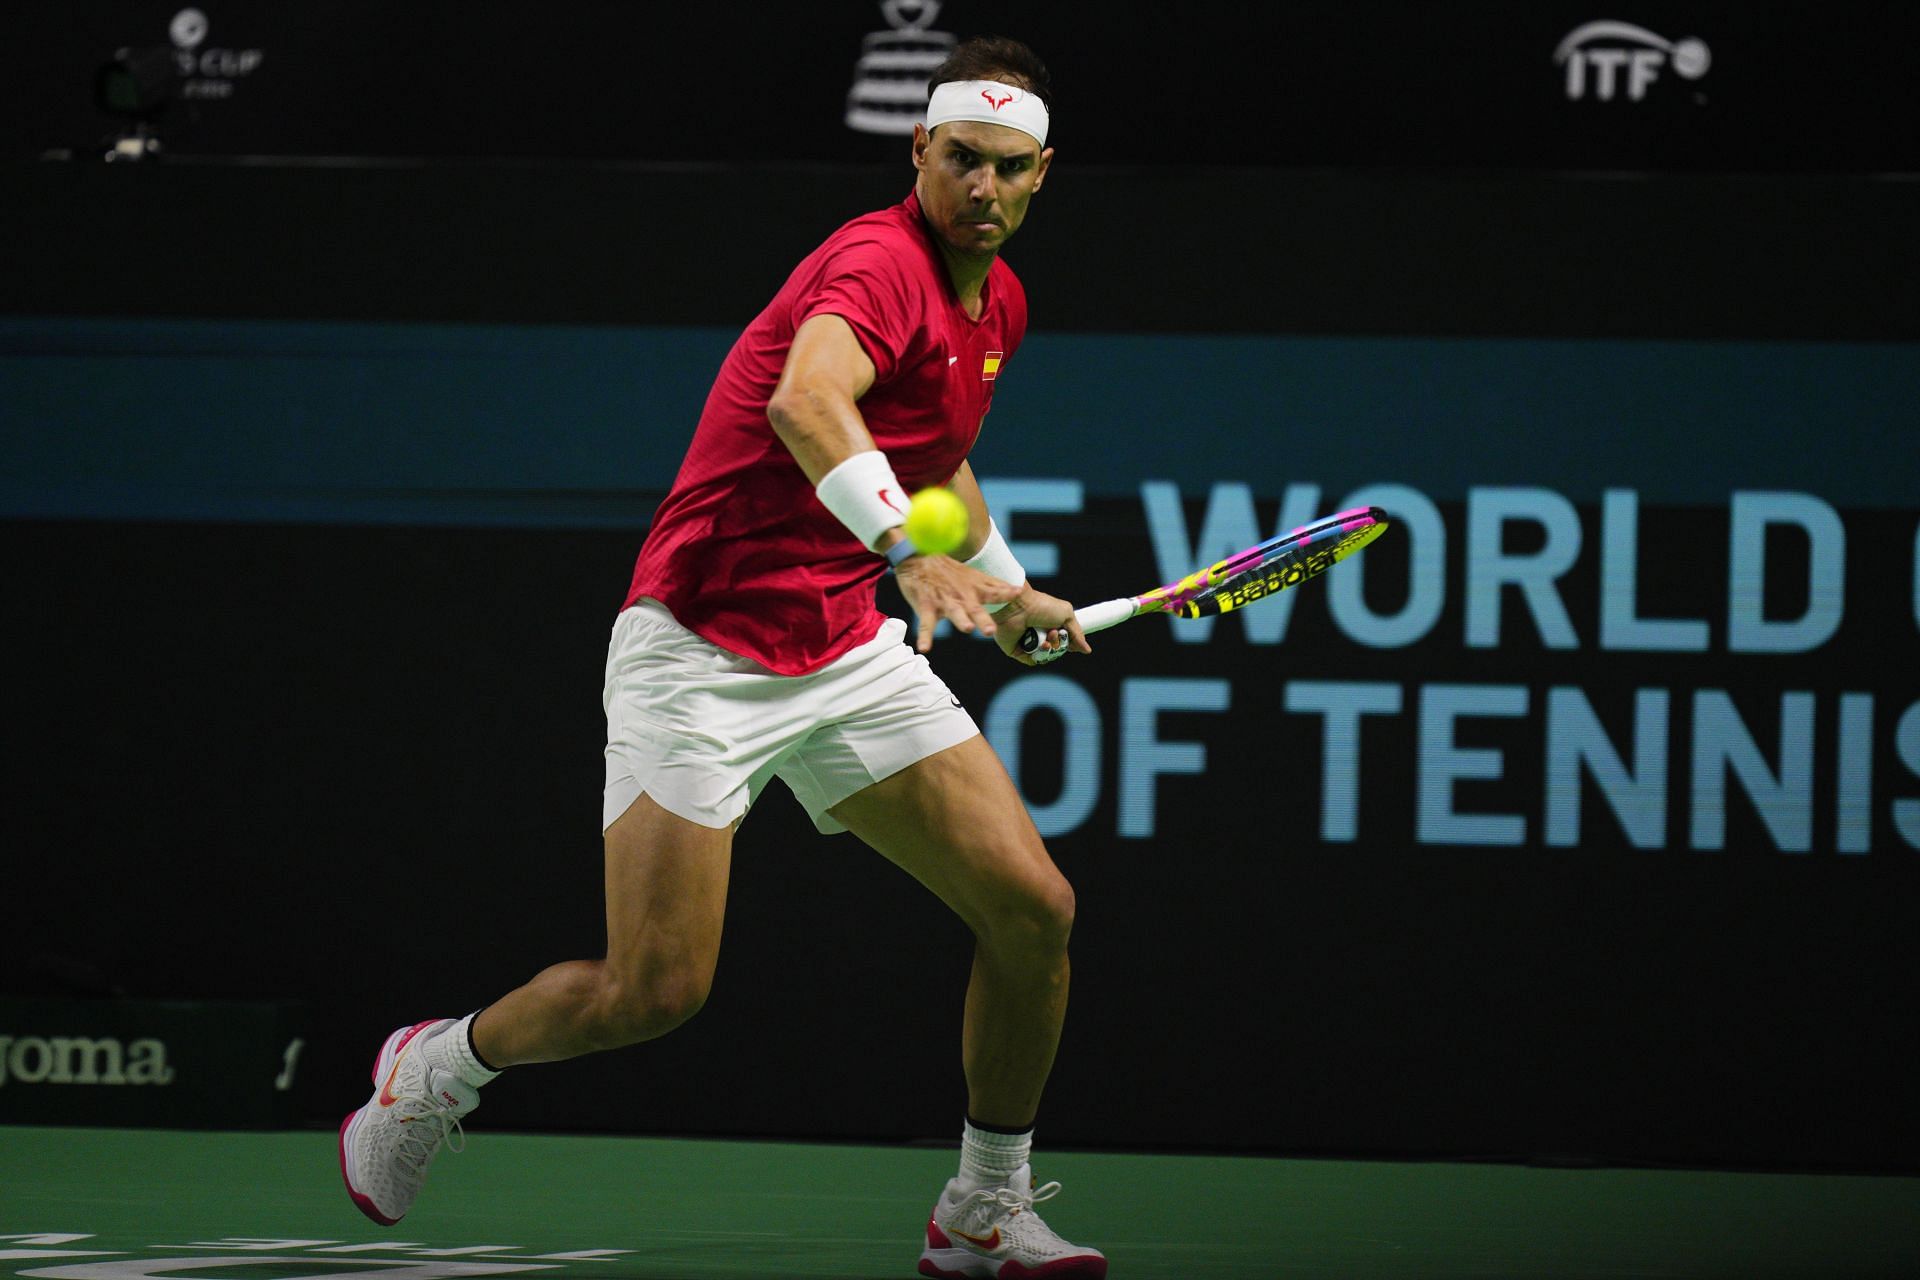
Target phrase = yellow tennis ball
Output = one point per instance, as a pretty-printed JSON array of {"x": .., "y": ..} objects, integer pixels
[{"x": 936, "y": 521}]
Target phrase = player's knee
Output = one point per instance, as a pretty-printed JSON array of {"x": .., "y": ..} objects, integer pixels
[
  {"x": 1039, "y": 920},
  {"x": 675, "y": 999},
  {"x": 646, "y": 1007},
  {"x": 1057, "y": 907}
]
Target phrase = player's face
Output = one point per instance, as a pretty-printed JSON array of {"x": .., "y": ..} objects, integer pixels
[{"x": 975, "y": 181}]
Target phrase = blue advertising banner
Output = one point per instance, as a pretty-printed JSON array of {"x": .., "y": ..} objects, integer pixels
[
  {"x": 1543, "y": 492},
  {"x": 1577, "y": 814},
  {"x": 575, "y": 426}
]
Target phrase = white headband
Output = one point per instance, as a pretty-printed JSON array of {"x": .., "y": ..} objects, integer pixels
[{"x": 988, "y": 102}]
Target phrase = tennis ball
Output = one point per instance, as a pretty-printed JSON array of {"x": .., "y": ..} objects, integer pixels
[{"x": 936, "y": 521}]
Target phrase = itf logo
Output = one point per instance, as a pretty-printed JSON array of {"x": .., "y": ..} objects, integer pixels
[{"x": 1600, "y": 52}]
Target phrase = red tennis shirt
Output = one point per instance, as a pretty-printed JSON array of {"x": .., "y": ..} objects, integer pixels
[{"x": 740, "y": 551}]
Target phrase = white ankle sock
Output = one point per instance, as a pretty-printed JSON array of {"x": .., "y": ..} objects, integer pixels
[
  {"x": 450, "y": 1049},
  {"x": 987, "y": 1159}
]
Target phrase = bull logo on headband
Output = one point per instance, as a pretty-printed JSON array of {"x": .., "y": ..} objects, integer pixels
[{"x": 995, "y": 103}]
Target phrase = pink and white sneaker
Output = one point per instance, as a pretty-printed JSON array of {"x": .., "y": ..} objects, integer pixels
[
  {"x": 386, "y": 1146},
  {"x": 994, "y": 1234}
]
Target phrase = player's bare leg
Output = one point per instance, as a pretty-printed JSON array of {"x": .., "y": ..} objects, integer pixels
[
  {"x": 955, "y": 822},
  {"x": 666, "y": 896},
  {"x": 666, "y": 900}
]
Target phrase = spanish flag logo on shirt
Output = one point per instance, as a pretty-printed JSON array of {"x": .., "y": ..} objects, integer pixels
[{"x": 990, "y": 367}]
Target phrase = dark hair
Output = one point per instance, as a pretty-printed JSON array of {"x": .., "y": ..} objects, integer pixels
[{"x": 996, "y": 58}]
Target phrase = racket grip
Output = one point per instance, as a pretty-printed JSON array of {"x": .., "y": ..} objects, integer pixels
[{"x": 1095, "y": 617}]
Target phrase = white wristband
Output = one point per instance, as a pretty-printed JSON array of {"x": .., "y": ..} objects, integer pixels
[
  {"x": 864, "y": 495},
  {"x": 996, "y": 561}
]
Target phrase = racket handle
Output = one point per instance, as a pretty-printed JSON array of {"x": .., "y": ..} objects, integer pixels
[{"x": 1095, "y": 617}]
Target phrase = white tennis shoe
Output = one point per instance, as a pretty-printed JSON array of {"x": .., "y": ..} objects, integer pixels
[
  {"x": 994, "y": 1234},
  {"x": 386, "y": 1146}
]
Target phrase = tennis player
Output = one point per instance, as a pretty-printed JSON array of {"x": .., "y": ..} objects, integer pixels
[{"x": 751, "y": 648}]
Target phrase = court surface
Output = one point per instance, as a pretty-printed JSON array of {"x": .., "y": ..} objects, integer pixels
[{"x": 99, "y": 1204}]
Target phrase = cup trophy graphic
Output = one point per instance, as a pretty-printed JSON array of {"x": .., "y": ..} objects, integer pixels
[{"x": 889, "y": 93}]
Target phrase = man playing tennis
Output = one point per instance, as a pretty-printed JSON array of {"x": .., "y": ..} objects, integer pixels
[{"x": 751, "y": 648}]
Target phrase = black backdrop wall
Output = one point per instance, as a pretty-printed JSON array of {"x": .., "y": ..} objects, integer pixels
[
  {"x": 279, "y": 747},
  {"x": 1711, "y": 85}
]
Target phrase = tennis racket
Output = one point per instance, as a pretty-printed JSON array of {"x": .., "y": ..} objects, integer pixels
[{"x": 1261, "y": 570}]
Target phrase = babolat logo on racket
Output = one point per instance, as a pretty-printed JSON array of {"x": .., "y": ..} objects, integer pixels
[
  {"x": 1263, "y": 583},
  {"x": 1265, "y": 569},
  {"x": 1256, "y": 584}
]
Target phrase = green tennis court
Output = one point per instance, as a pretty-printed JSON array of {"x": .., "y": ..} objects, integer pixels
[{"x": 95, "y": 1204}]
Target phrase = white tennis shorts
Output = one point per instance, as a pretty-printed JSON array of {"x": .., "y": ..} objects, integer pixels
[{"x": 701, "y": 730}]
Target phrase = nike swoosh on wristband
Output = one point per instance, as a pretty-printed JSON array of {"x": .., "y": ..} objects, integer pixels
[{"x": 889, "y": 501}]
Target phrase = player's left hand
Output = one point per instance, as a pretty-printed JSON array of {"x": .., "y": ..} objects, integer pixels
[
  {"x": 1052, "y": 616},
  {"x": 938, "y": 587}
]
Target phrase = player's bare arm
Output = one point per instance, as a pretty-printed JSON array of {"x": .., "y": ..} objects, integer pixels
[
  {"x": 815, "y": 408},
  {"x": 815, "y": 412}
]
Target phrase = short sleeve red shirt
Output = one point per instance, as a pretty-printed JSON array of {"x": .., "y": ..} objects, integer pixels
[{"x": 741, "y": 551}]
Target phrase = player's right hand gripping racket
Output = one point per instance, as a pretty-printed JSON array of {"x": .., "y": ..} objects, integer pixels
[{"x": 1265, "y": 569}]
